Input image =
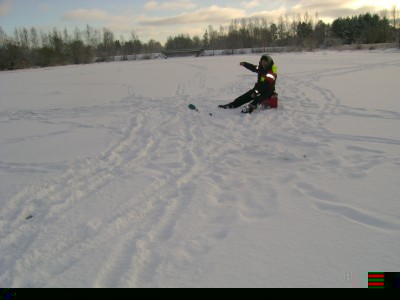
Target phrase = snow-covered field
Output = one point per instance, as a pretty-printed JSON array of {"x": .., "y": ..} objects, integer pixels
[{"x": 107, "y": 179}]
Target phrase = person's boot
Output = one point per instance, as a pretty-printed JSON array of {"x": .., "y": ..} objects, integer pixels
[
  {"x": 248, "y": 109},
  {"x": 225, "y": 106}
]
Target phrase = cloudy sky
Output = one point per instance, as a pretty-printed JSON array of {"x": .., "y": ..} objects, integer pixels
[{"x": 158, "y": 19}]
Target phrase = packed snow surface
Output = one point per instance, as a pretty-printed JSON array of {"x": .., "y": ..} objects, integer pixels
[{"x": 107, "y": 179}]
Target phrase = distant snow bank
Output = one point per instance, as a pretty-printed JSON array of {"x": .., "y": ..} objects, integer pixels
[{"x": 386, "y": 47}]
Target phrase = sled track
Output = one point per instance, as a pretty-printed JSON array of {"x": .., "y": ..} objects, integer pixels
[
  {"x": 311, "y": 107},
  {"x": 139, "y": 222}
]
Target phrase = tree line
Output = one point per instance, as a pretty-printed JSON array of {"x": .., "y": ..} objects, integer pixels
[
  {"x": 298, "y": 32},
  {"x": 29, "y": 48}
]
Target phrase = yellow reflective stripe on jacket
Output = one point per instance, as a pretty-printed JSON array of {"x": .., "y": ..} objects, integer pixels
[{"x": 274, "y": 69}]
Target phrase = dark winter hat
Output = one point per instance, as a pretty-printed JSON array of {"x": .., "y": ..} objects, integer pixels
[{"x": 266, "y": 58}]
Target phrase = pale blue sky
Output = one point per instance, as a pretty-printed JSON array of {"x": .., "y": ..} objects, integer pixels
[{"x": 158, "y": 19}]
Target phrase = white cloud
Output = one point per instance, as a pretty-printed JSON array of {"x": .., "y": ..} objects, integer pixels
[
  {"x": 178, "y": 4},
  {"x": 327, "y": 10},
  {"x": 94, "y": 15},
  {"x": 87, "y": 14},
  {"x": 5, "y": 7},
  {"x": 210, "y": 14},
  {"x": 251, "y": 4}
]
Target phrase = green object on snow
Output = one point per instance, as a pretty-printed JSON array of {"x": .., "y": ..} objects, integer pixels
[{"x": 192, "y": 107}]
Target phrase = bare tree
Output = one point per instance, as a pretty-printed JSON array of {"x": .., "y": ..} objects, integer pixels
[
  {"x": 108, "y": 43},
  {"x": 44, "y": 39},
  {"x": 316, "y": 18},
  {"x": 34, "y": 37},
  {"x": 395, "y": 16},
  {"x": 24, "y": 35},
  {"x": 282, "y": 30},
  {"x": 264, "y": 32},
  {"x": 307, "y": 18},
  {"x": 3, "y": 37},
  {"x": 244, "y": 34},
  {"x": 92, "y": 37}
]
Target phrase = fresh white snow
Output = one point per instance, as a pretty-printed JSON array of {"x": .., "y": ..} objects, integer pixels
[{"x": 107, "y": 179}]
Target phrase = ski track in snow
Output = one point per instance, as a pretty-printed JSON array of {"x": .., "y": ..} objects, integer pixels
[
  {"x": 355, "y": 165},
  {"x": 316, "y": 114},
  {"x": 178, "y": 165},
  {"x": 140, "y": 139}
]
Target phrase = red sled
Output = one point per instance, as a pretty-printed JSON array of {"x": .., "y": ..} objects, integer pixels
[{"x": 271, "y": 102}]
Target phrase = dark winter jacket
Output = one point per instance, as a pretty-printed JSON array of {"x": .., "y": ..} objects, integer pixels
[{"x": 266, "y": 78}]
